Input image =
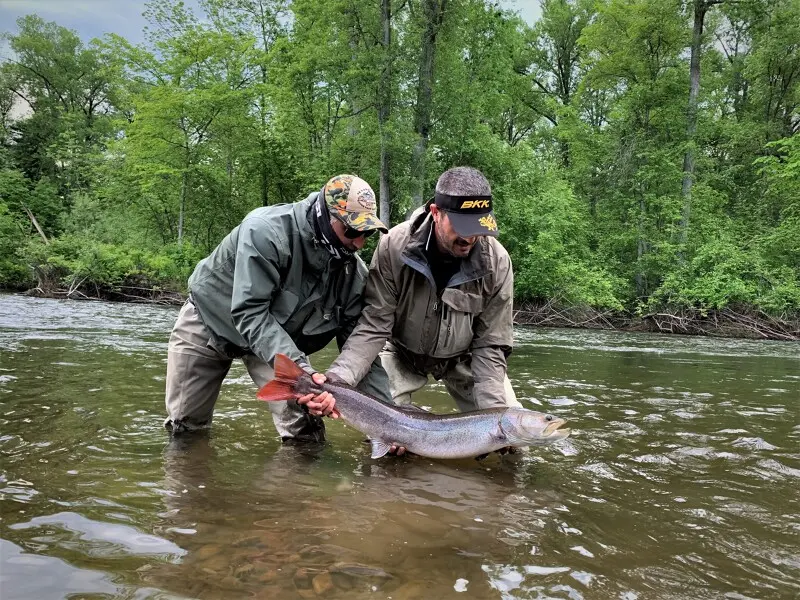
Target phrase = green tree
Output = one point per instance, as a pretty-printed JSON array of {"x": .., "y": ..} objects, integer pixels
[
  {"x": 69, "y": 89},
  {"x": 557, "y": 58},
  {"x": 635, "y": 49},
  {"x": 194, "y": 80}
]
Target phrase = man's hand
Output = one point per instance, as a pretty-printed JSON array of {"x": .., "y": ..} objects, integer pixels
[
  {"x": 322, "y": 404},
  {"x": 398, "y": 450}
]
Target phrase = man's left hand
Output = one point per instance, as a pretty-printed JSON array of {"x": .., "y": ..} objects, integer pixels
[{"x": 322, "y": 404}]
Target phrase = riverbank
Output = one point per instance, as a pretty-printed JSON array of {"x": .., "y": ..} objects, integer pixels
[
  {"x": 745, "y": 322},
  {"x": 123, "y": 293},
  {"x": 740, "y": 323}
]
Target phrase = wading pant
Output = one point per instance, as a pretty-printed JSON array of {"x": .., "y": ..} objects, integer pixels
[
  {"x": 196, "y": 369},
  {"x": 404, "y": 381}
]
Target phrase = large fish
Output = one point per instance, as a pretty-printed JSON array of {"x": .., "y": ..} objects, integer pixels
[{"x": 461, "y": 435}]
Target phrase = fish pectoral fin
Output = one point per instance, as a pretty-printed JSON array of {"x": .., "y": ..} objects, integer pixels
[
  {"x": 379, "y": 448},
  {"x": 498, "y": 433},
  {"x": 480, "y": 457}
]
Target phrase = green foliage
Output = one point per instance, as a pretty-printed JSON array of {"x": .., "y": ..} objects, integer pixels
[
  {"x": 780, "y": 244},
  {"x": 13, "y": 272},
  {"x": 22, "y": 197},
  {"x": 545, "y": 231},
  {"x": 76, "y": 260},
  {"x": 137, "y": 159},
  {"x": 722, "y": 274}
]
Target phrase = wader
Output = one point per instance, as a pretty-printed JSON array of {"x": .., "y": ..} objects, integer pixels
[{"x": 196, "y": 368}]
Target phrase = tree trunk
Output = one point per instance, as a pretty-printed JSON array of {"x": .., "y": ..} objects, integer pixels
[
  {"x": 263, "y": 14},
  {"x": 182, "y": 208},
  {"x": 640, "y": 192},
  {"x": 353, "y": 99},
  {"x": 700, "y": 9},
  {"x": 35, "y": 223},
  {"x": 264, "y": 175},
  {"x": 641, "y": 249},
  {"x": 229, "y": 173},
  {"x": 434, "y": 15},
  {"x": 564, "y": 148},
  {"x": 384, "y": 109},
  {"x": 262, "y": 143}
]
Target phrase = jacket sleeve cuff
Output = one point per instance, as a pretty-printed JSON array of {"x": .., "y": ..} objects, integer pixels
[
  {"x": 306, "y": 366},
  {"x": 343, "y": 374},
  {"x": 490, "y": 394}
]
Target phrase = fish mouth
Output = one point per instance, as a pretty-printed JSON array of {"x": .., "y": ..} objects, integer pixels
[{"x": 553, "y": 429}]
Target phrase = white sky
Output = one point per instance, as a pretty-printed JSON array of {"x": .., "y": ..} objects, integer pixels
[{"x": 93, "y": 18}]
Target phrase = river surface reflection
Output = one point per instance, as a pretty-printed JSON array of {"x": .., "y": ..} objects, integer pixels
[{"x": 681, "y": 478}]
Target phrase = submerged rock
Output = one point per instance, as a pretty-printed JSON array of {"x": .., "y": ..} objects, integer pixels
[
  {"x": 349, "y": 575},
  {"x": 359, "y": 570},
  {"x": 322, "y": 584}
]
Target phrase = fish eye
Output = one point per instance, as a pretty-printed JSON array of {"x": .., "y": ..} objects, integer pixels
[{"x": 548, "y": 418}]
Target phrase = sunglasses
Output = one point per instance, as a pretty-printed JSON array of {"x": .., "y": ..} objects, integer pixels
[{"x": 352, "y": 234}]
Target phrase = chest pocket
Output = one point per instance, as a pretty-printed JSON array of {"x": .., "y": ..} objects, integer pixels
[
  {"x": 284, "y": 305},
  {"x": 325, "y": 315},
  {"x": 322, "y": 319},
  {"x": 459, "y": 309}
]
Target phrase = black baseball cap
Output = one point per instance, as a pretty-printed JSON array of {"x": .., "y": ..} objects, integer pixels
[{"x": 469, "y": 215}]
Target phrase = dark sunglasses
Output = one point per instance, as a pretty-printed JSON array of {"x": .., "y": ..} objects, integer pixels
[{"x": 352, "y": 234}]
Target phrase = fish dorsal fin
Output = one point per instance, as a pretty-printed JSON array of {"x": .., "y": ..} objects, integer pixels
[
  {"x": 286, "y": 375},
  {"x": 379, "y": 448},
  {"x": 286, "y": 369}
]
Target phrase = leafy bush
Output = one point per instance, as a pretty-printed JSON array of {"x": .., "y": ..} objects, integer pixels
[
  {"x": 544, "y": 230},
  {"x": 723, "y": 274},
  {"x": 14, "y": 274},
  {"x": 71, "y": 261}
]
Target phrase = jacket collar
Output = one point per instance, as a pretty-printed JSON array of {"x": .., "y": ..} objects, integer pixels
[{"x": 315, "y": 252}]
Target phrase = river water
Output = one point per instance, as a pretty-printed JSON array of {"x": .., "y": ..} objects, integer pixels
[{"x": 681, "y": 478}]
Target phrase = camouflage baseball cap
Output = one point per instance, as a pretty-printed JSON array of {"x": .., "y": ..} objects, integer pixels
[{"x": 352, "y": 201}]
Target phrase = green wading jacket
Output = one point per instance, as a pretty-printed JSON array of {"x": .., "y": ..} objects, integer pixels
[
  {"x": 270, "y": 287},
  {"x": 472, "y": 319}
]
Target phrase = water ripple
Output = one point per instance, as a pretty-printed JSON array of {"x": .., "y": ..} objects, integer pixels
[{"x": 100, "y": 538}]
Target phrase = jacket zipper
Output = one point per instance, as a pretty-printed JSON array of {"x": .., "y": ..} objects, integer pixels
[{"x": 444, "y": 316}]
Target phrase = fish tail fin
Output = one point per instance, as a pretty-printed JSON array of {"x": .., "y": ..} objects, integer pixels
[{"x": 282, "y": 386}]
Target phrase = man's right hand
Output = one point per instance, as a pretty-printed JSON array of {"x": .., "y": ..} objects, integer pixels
[{"x": 322, "y": 404}]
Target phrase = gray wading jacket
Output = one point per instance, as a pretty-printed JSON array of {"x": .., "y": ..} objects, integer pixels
[
  {"x": 270, "y": 287},
  {"x": 472, "y": 319}
]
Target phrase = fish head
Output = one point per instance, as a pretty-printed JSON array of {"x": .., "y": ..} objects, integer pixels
[{"x": 524, "y": 427}]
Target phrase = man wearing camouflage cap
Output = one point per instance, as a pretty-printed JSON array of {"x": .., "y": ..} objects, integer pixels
[{"x": 286, "y": 280}]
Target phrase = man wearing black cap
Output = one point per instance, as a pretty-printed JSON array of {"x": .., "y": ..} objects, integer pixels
[{"x": 439, "y": 301}]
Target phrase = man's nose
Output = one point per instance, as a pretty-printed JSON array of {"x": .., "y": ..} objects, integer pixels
[{"x": 359, "y": 242}]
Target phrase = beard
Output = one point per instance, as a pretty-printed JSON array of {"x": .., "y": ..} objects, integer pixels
[{"x": 458, "y": 247}]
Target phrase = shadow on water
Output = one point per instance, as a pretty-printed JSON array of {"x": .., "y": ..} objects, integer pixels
[{"x": 680, "y": 479}]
